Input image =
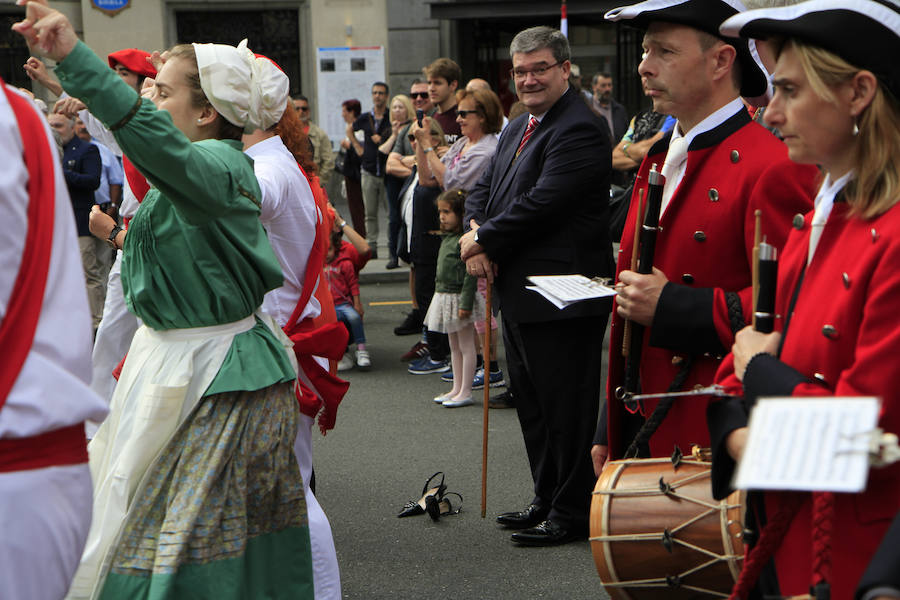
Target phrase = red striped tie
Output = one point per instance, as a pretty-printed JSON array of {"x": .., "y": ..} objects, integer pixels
[{"x": 532, "y": 125}]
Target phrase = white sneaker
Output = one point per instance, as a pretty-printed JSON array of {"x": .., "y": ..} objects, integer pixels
[
  {"x": 362, "y": 360},
  {"x": 467, "y": 401},
  {"x": 346, "y": 363}
]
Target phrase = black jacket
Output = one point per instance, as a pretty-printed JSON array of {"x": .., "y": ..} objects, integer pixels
[{"x": 545, "y": 212}]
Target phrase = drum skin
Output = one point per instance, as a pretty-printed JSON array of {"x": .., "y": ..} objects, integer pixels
[{"x": 636, "y": 502}]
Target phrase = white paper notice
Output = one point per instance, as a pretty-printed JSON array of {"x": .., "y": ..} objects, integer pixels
[
  {"x": 811, "y": 444},
  {"x": 563, "y": 290}
]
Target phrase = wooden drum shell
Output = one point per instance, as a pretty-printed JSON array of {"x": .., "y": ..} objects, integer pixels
[{"x": 630, "y": 514}]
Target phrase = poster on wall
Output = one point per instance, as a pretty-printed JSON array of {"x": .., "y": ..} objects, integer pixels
[{"x": 342, "y": 74}]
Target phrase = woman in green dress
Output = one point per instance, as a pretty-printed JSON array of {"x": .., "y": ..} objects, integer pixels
[{"x": 197, "y": 492}]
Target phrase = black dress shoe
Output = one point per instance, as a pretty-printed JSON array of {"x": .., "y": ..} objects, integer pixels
[
  {"x": 392, "y": 263},
  {"x": 546, "y": 533},
  {"x": 529, "y": 517},
  {"x": 411, "y": 325}
]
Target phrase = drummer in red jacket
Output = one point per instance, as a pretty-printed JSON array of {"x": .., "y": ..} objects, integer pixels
[
  {"x": 838, "y": 287},
  {"x": 728, "y": 168}
]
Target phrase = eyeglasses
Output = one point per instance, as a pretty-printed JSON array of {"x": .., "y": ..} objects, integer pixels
[
  {"x": 422, "y": 95},
  {"x": 466, "y": 113},
  {"x": 520, "y": 74}
]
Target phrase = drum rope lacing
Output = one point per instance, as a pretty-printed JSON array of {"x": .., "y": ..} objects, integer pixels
[{"x": 669, "y": 489}]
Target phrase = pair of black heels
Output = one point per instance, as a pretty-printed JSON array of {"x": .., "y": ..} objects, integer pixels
[{"x": 434, "y": 501}]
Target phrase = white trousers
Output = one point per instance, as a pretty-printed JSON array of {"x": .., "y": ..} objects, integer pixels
[
  {"x": 113, "y": 338},
  {"x": 326, "y": 575},
  {"x": 45, "y": 515}
]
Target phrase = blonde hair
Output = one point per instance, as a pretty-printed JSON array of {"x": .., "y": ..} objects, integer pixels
[
  {"x": 876, "y": 187},
  {"x": 407, "y": 104}
]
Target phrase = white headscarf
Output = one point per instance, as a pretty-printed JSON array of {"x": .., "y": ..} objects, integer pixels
[{"x": 247, "y": 91}]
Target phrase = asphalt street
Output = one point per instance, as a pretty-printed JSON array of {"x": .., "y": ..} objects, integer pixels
[{"x": 390, "y": 437}]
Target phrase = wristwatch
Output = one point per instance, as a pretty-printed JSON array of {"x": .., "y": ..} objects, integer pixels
[
  {"x": 343, "y": 224},
  {"x": 111, "y": 240},
  {"x": 427, "y": 150}
]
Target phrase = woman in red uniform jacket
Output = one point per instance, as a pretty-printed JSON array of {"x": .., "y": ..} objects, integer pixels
[{"x": 839, "y": 286}]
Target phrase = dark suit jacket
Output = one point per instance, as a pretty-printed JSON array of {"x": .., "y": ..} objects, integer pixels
[
  {"x": 545, "y": 212},
  {"x": 81, "y": 167}
]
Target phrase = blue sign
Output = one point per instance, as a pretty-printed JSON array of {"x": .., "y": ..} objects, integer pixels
[{"x": 111, "y": 7}]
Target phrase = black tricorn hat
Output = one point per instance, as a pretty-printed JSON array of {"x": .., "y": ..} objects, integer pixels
[
  {"x": 705, "y": 15},
  {"x": 865, "y": 33}
]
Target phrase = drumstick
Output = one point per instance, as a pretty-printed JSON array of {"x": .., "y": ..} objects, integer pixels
[
  {"x": 486, "y": 353},
  {"x": 754, "y": 277},
  {"x": 639, "y": 220}
]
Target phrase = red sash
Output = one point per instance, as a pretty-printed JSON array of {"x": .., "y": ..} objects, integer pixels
[
  {"x": 328, "y": 340},
  {"x": 136, "y": 181},
  {"x": 21, "y": 319},
  {"x": 68, "y": 445}
]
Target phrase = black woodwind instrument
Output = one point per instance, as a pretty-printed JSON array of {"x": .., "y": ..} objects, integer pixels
[
  {"x": 649, "y": 230},
  {"x": 768, "y": 278}
]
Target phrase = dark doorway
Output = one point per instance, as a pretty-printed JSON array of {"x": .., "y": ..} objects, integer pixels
[
  {"x": 13, "y": 50},
  {"x": 274, "y": 33}
]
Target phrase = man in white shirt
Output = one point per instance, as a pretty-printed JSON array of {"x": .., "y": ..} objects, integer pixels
[{"x": 45, "y": 333}]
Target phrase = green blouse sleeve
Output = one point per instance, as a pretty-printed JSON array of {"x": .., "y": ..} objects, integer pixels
[
  {"x": 467, "y": 295},
  {"x": 197, "y": 182}
]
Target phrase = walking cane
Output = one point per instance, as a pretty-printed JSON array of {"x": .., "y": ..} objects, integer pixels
[{"x": 486, "y": 353}]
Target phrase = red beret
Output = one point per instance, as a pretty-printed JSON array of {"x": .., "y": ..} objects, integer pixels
[{"x": 134, "y": 60}]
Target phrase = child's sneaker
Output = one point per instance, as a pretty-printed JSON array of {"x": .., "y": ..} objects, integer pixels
[
  {"x": 362, "y": 360},
  {"x": 426, "y": 365},
  {"x": 495, "y": 379},
  {"x": 447, "y": 377},
  {"x": 346, "y": 362}
]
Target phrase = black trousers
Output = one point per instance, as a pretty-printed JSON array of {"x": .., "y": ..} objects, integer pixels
[
  {"x": 438, "y": 343},
  {"x": 554, "y": 375}
]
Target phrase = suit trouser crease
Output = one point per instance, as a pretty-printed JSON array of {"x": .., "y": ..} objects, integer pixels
[{"x": 554, "y": 375}]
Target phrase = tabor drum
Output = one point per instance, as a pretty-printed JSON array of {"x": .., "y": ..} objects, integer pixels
[{"x": 657, "y": 533}]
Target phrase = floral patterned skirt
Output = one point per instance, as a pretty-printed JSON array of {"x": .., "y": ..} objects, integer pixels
[{"x": 221, "y": 512}]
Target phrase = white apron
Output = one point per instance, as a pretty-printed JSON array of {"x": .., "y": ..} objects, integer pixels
[{"x": 161, "y": 383}]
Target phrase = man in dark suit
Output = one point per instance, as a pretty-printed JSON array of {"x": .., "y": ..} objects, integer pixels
[
  {"x": 82, "y": 168},
  {"x": 541, "y": 209}
]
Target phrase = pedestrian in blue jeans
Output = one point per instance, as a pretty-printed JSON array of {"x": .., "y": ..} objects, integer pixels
[{"x": 344, "y": 285}]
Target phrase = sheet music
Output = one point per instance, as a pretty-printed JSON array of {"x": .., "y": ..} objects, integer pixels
[
  {"x": 811, "y": 444},
  {"x": 563, "y": 290}
]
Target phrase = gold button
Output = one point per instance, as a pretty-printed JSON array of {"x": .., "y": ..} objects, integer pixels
[
  {"x": 874, "y": 235},
  {"x": 798, "y": 221},
  {"x": 713, "y": 195},
  {"x": 677, "y": 360},
  {"x": 830, "y": 332},
  {"x": 699, "y": 236},
  {"x": 687, "y": 278},
  {"x": 846, "y": 279},
  {"x": 735, "y": 156}
]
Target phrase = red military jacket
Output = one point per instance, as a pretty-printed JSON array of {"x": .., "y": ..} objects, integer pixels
[
  {"x": 705, "y": 249},
  {"x": 843, "y": 339}
]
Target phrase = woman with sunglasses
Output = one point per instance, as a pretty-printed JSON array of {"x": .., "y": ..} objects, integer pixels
[
  {"x": 836, "y": 106},
  {"x": 480, "y": 116}
]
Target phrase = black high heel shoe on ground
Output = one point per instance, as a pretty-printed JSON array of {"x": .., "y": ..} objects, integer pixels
[
  {"x": 437, "y": 508},
  {"x": 430, "y": 494}
]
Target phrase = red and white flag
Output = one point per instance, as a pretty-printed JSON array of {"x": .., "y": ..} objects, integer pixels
[{"x": 564, "y": 19}]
